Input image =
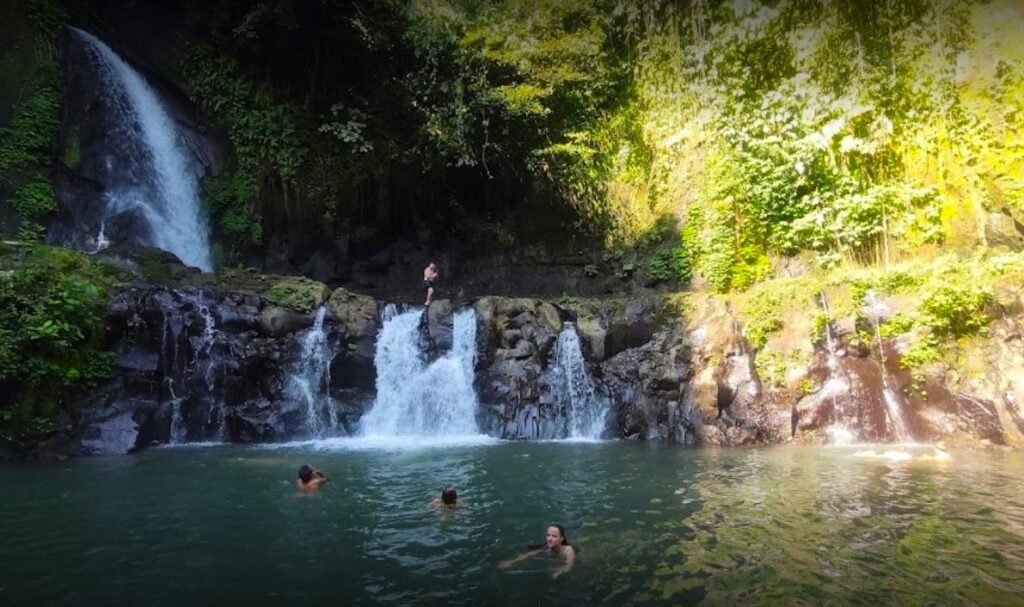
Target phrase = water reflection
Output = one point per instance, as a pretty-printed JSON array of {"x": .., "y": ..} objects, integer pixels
[{"x": 653, "y": 525}]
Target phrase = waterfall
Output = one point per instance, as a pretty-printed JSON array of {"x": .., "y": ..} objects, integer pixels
[
  {"x": 188, "y": 365},
  {"x": 416, "y": 399},
  {"x": 154, "y": 176},
  {"x": 179, "y": 433},
  {"x": 202, "y": 358},
  {"x": 573, "y": 388},
  {"x": 893, "y": 408},
  {"x": 310, "y": 382},
  {"x": 830, "y": 339}
]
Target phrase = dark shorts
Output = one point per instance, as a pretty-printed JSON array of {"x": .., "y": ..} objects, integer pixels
[{"x": 427, "y": 285}]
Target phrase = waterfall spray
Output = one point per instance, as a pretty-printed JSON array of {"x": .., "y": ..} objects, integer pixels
[
  {"x": 415, "y": 399},
  {"x": 310, "y": 382},
  {"x": 573, "y": 388},
  {"x": 156, "y": 179}
]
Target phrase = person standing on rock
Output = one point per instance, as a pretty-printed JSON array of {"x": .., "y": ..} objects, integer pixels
[{"x": 429, "y": 276}]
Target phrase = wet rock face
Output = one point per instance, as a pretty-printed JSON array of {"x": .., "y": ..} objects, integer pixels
[
  {"x": 646, "y": 387},
  {"x": 515, "y": 338},
  {"x": 867, "y": 395},
  {"x": 203, "y": 364},
  {"x": 851, "y": 397},
  {"x": 197, "y": 365}
]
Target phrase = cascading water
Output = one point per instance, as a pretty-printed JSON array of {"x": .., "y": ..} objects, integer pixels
[
  {"x": 893, "y": 410},
  {"x": 830, "y": 340},
  {"x": 188, "y": 367},
  {"x": 415, "y": 399},
  {"x": 310, "y": 383},
  {"x": 204, "y": 365},
  {"x": 573, "y": 388},
  {"x": 154, "y": 177}
]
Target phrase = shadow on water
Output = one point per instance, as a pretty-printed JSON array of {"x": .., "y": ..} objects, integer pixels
[{"x": 654, "y": 525}]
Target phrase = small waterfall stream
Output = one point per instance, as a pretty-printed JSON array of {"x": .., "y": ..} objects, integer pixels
[
  {"x": 189, "y": 368},
  {"x": 893, "y": 408},
  {"x": 416, "y": 399},
  {"x": 310, "y": 382},
  {"x": 150, "y": 173},
  {"x": 574, "y": 389}
]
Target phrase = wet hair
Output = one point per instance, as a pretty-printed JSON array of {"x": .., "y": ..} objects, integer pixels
[
  {"x": 449, "y": 495},
  {"x": 305, "y": 474},
  {"x": 561, "y": 530}
]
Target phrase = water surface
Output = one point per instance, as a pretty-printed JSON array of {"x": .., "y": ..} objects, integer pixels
[{"x": 654, "y": 525}]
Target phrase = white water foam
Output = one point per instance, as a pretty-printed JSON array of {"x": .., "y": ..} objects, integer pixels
[
  {"x": 385, "y": 443},
  {"x": 309, "y": 384},
  {"x": 574, "y": 389},
  {"x": 419, "y": 401}
]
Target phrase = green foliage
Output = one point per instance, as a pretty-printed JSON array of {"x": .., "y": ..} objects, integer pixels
[
  {"x": 33, "y": 201},
  {"x": 46, "y": 17},
  {"x": 261, "y": 129},
  {"x": 29, "y": 137},
  {"x": 763, "y": 314},
  {"x": 28, "y": 140},
  {"x": 767, "y": 128},
  {"x": 73, "y": 152},
  {"x": 52, "y": 304},
  {"x": 228, "y": 200},
  {"x": 300, "y": 294},
  {"x": 670, "y": 265},
  {"x": 242, "y": 226}
]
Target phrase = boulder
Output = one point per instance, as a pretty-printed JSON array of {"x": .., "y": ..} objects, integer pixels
[{"x": 357, "y": 312}]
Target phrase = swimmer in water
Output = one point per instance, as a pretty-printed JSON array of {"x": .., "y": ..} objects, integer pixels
[
  {"x": 449, "y": 499},
  {"x": 310, "y": 479},
  {"x": 556, "y": 545}
]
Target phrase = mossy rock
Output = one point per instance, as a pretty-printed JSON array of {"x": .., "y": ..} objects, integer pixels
[
  {"x": 161, "y": 267},
  {"x": 357, "y": 312},
  {"x": 297, "y": 293}
]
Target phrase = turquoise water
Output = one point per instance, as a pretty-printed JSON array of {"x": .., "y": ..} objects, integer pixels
[{"x": 653, "y": 524}]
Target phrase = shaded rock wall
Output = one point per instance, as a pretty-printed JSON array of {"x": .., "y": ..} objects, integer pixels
[{"x": 210, "y": 359}]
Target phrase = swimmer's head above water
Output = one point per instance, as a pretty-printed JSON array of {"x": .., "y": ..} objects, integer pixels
[
  {"x": 449, "y": 496},
  {"x": 555, "y": 537}
]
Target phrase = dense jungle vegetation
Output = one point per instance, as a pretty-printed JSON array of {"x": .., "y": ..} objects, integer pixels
[
  {"x": 716, "y": 136},
  {"x": 724, "y": 142}
]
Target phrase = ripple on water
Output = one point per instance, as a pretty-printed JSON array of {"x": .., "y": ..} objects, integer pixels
[{"x": 654, "y": 526}]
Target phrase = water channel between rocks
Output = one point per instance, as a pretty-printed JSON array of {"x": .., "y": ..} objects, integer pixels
[{"x": 654, "y": 524}]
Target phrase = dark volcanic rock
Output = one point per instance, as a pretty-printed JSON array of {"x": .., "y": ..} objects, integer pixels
[{"x": 219, "y": 364}]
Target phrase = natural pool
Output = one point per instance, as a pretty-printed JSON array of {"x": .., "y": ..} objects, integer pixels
[{"x": 654, "y": 525}]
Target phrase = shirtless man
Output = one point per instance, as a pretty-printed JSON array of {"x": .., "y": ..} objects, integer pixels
[
  {"x": 310, "y": 480},
  {"x": 429, "y": 276}
]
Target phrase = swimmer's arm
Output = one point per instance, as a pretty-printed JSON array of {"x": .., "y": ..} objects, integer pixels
[
  {"x": 570, "y": 558},
  {"x": 521, "y": 557},
  {"x": 319, "y": 482}
]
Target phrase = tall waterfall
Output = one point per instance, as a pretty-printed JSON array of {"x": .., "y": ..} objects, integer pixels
[
  {"x": 574, "y": 389},
  {"x": 416, "y": 399},
  {"x": 153, "y": 175},
  {"x": 310, "y": 383}
]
